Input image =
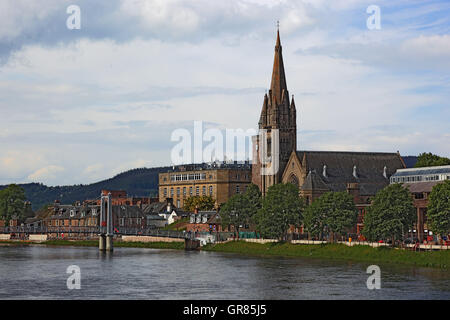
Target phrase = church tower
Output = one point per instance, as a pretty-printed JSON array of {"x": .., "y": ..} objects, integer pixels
[{"x": 278, "y": 120}]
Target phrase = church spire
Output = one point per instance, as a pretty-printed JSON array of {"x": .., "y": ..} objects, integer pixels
[{"x": 278, "y": 83}]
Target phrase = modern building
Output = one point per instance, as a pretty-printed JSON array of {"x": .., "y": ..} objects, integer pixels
[
  {"x": 218, "y": 180},
  {"x": 420, "y": 182}
]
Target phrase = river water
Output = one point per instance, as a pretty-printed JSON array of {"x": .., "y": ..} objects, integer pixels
[{"x": 39, "y": 272}]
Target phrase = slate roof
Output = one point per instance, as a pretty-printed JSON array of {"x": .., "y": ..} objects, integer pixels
[
  {"x": 419, "y": 187},
  {"x": 314, "y": 182},
  {"x": 121, "y": 211},
  {"x": 339, "y": 169},
  {"x": 155, "y": 208}
]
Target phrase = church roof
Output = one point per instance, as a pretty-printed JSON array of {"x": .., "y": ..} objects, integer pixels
[
  {"x": 364, "y": 168},
  {"x": 314, "y": 182}
]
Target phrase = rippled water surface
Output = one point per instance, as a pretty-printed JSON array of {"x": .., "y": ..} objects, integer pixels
[{"x": 39, "y": 272}]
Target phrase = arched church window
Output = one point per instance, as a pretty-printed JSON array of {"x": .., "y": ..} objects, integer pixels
[{"x": 293, "y": 179}]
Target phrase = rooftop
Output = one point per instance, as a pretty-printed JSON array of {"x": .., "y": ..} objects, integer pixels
[{"x": 423, "y": 171}]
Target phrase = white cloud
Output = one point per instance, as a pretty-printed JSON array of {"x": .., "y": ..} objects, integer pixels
[
  {"x": 77, "y": 110},
  {"x": 48, "y": 173}
]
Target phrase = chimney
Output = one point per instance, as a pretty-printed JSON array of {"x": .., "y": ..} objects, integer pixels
[
  {"x": 355, "y": 174},
  {"x": 324, "y": 171},
  {"x": 353, "y": 189}
]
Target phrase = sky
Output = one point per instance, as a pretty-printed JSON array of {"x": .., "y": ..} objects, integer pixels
[{"x": 81, "y": 105}]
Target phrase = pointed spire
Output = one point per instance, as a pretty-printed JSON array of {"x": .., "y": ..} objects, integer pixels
[
  {"x": 278, "y": 75},
  {"x": 263, "y": 117}
]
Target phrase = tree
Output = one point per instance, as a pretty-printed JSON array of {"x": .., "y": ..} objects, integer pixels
[
  {"x": 281, "y": 208},
  {"x": 12, "y": 203},
  {"x": 428, "y": 160},
  {"x": 254, "y": 202},
  {"x": 234, "y": 212},
  {"x": 332, "y": 213},
  {"x": 391, "y": 214},
  {"x": 241, "y": 209},
  {"x": 199, "y": 202},
  {"x": 438, "y": 212}
]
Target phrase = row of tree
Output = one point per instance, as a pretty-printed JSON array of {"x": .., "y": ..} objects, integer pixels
[{"x": 334, "y": 214}]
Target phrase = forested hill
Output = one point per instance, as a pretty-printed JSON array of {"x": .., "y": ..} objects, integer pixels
[{"x": 137, "y": 182}]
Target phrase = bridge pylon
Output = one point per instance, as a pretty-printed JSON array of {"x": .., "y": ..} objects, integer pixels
[{"x": 105, "y": 239}]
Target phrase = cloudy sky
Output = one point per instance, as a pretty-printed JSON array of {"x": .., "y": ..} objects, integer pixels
[{"x": 78, "y": 106}]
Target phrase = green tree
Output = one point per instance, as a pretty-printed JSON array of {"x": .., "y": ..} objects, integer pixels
[
  {"x": 199, "y": 202},
  {"x": 234, "y": 212},
  {"x": 330, "y": 214},
  {"x": 12, "y": 203},
  {"x": 281, "y": 207},
  {"x": 254, "y": 202},
  {"x": 391, "y": 214},
  {"x": 438, "y": 212},
  {"x": 241, "y": 209},
  {"x": 429, "y": 160}
]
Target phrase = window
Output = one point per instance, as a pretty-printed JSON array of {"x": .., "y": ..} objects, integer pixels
[
  {"x": 197, "y": 190},
  {"x": 171, "y": 192},
  {"x": 190, "y": 191},
  {"x": 178, "y": 203},
  {"x": 184, "y": 191},
  {"x": 178, "y": 191},
  {"x": 122, "y": 222},
  {"x": 237, "y": 189},
  {"x": 165, "y": 192},
  {"x": 210, "y": 190},
  {"x": 204, "y": 190}
]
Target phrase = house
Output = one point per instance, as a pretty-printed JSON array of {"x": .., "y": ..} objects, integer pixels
[{"x": 166, "y": 210}]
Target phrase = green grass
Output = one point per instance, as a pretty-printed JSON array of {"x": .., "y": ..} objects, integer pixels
[
  {"x": 94, "y": 243},
  {"x": 436, "y": 259}
]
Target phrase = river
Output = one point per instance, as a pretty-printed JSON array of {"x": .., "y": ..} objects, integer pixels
[{"x": 39, "y": 272}]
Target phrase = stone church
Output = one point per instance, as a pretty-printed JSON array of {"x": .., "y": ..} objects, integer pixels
[{"x": 361, "y": 174}]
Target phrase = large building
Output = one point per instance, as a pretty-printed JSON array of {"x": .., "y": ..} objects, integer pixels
[
  {"x": 278, "y": 120},
  {"x": 420, "y": 182},
  {"x": 218, "y": 180},
  {"x": 361, "y": 174}
]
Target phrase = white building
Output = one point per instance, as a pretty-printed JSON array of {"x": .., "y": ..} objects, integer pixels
[{"x": 425, "y": 174}]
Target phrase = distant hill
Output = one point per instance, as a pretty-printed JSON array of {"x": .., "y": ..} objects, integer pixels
[{"x": 137, "y": 182}]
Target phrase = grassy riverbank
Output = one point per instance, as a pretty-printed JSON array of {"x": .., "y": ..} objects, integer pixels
[
  {"x": 436, "y": 259},
  {"x": 94, "y": 243}
]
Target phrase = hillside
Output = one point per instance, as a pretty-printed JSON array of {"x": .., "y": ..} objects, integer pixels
[{"x": 137, "y": 182}]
